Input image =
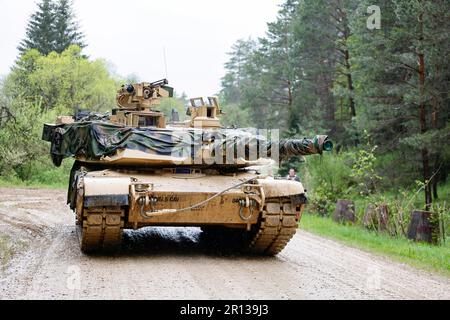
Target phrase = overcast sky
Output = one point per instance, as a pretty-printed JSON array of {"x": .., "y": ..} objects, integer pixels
[{"x": 132, "y": 35}]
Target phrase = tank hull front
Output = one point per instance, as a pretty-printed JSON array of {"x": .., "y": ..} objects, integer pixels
[{"x": 108, "y": 200}]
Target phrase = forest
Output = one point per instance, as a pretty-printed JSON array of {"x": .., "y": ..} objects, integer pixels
[{"x": 374, "y": 76}]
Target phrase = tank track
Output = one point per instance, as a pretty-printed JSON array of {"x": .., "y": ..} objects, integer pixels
[
  {"x": 101, "y": 229},
  {"x": 278, "y": 224}
]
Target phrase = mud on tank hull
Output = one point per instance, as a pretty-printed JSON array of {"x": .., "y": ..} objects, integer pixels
[{"x": 261, "y": 212}]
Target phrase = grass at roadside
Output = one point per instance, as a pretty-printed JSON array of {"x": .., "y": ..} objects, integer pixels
[
  {"x": 39, "y": 175},
  {"x": 16, "y": 183},
  {"x": 432, "y": 258}
]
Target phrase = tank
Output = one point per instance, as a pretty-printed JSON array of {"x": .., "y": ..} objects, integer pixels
[{"x": 135, "y": 169}]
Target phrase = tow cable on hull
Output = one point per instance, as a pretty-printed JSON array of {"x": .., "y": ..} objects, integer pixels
[{"x": 142, "y": 201}]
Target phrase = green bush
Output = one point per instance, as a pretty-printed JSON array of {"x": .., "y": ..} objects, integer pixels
[
  {"x": 327, "y": 178},
  {"x": 352, "y": 174},
  {"x": 40, "y": 173},
  {"x": 38, "y": 89},
  {"x": 67, "y": 81}
]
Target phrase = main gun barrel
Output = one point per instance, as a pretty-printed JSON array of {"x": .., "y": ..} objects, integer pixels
[{"x": 300, "y": 147}]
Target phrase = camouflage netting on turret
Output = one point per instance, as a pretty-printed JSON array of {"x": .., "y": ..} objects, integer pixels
[{"x": 93, "y": 140}]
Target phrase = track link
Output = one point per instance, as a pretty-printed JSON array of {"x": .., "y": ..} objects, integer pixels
[
  {"x": 278, "y": 225},
  {"x": 101, "y": 229}
]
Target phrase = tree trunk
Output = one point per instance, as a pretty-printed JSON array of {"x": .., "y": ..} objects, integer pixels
[
  {"x": 289, "y": 94},
  {"x": 436, "y": 177},
  {"x": 345, "y": 35},
  {"x": 436, "y": 167},
  {"x": 350, "y": 84},
  {"x": 423, "y": 122},
  {"x": 434, "y": 187},
  {"x": 426, "y": 178},
  {"x": 292, "y": 120}
]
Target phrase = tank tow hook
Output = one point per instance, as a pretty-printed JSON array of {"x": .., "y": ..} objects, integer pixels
[
  {"x": 246, "y": 203},
  {"x": 147, "y": 201}
]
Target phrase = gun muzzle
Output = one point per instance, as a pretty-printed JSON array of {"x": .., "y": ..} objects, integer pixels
[{"x": 303, "y": 147}]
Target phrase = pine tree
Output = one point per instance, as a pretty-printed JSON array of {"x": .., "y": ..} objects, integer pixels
[
  {"x": 315, "y": 37},
  {"x": 40, "y": 32},
  {"x": 340, "y": 21},
  {"x": 52, "y": 28},
  {"x": 403, "y": 80},
  {"x": 259, "y": 74},
  {"x": 234, "y": 79},
  {"x": 279, "y": 78},
  {"x": 65, "y": 27}
]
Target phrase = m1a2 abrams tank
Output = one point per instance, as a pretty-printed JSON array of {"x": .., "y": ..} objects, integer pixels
[{"x": 133, "y": 169}]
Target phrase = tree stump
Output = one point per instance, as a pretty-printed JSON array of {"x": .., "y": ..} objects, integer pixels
[
  {"x": 344, "y": 212},
  {"x": 422, "y": 228},
  {"x": 376, "y": 217},
  {"x": 383, "y": 217},
  {"x": 370, "y": 220}
]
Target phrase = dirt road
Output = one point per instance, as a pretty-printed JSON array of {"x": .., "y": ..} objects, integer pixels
[{"x": 174, "y": 263}]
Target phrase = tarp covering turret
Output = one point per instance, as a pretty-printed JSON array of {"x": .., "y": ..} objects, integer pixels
[{"x": 94, "y": 140}]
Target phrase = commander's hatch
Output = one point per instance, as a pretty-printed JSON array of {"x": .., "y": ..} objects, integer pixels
[{"x": 204, "y": 113}]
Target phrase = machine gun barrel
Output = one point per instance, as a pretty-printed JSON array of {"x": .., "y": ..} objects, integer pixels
[{"x": 159, "y": 83}]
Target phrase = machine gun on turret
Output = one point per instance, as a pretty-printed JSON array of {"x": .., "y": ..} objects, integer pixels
[{"x": 136, "y": 104}]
